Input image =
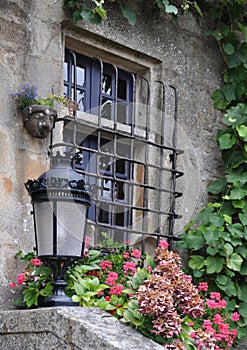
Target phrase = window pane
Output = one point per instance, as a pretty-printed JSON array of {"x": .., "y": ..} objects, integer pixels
[
  {"x": 104, "y": 213},
  {"x": 122, "y": 113},
  {"x": 121, "y": 166},
  {"x": 120, "y": 191},
  {"x": 122, "y": 88},
  {"x": 106, "y": 111},
  {"x": 80, "y": 75},
  {"x": 81, "y": 100},
  {"x": 105, "y": 164},
  {"x": 107, "y": 84},
  {"x": 105, "y": 186},
  {"x": 65, "y": 71}
]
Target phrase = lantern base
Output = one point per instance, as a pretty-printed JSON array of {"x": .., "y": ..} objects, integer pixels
[{"x": 59, "y": 297}]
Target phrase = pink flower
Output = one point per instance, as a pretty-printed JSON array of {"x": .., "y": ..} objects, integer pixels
[
  {"x": 105, "y": 264},
  {"x": 218, "y": 319},
  {"x": 21, "y": 278},
  {"x": 163, "y": 244},
  {"x": 149, "y": 269},
  {"x": 111, "y": 278},
  {"x": 203, "y": 286},
  {"x": 126, "y": 255},
  {"x": 101, "y": 292},
  {"x": 235, "y": 316},
  {"x": 12, "y": 285},
  {"x": 118, "y": 289},
  {"x": 191, "y": 324},
  {"x": 129, "y": 266},
  {"x": 107, "y": 298},
  {"x": 136, "y": 253},
  {"x": 215, "y": 295},
  {"x": 36, "y": 262}
]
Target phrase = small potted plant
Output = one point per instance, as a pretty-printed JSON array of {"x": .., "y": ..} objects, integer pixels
[{"x": 38, "y": 113}]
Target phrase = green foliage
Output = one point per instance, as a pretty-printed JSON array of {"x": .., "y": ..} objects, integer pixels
[
  {"x": 217, "y": 238},
  {"x": 231, "y": 34},
  {"x": 95, "y": 10}
]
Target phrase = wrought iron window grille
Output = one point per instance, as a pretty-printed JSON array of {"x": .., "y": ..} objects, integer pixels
[{"x": 133, "y": 196}]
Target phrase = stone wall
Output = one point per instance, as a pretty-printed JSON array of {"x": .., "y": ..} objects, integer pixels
[
  {"x": 33, "y": 36},
  {"x": 68, "y": 329}
]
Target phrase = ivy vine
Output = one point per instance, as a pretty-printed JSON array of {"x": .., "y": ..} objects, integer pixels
[
  {"x": 95, "y": 10},
  {"x": 217, "y": 237}
]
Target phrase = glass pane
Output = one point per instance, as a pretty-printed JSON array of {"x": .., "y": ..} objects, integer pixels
[
  {"x": 105, "y": 186},
  {"x": 120, "y": 191},
  {"x": 104, "y": 214},
  {"x": 65, "y": 91},
  {"x": 106, "y": 111},
  {"x": 121, "y": 166},
  {"x": 44, "y": 227},
  {"x": 122, "y": 89},
  {"x": 71, "y": 220},
  {"x": 120, "y": 217},
  {"x": 80, "y": 71},
  {"x": 107, "y": 84},
  {"x": 65, "y": 71},
  {"x": 81, "y": 100},
  {"x": 122, "y": 113},
  {"x": 72, "y": 77},
  {"x": 105, "y": 164}
]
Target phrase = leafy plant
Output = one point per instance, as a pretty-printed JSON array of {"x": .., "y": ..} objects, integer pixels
[
  {"x": 95, "y": 10},
  {"x": 157, "y": 299},
  {"x": 28, "y": 96},
  {"x": 217, "y": 238}
]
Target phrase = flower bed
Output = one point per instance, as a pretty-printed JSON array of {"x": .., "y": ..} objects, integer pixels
[{"x": 153, "y": 295}]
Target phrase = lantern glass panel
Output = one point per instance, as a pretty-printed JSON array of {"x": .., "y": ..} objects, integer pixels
[
  {"x": 71, "y": 220},
  {"x": 44, "y": 227}
]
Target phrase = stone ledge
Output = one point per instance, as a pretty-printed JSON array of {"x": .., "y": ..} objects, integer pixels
[{"x": 68, "y": 328}]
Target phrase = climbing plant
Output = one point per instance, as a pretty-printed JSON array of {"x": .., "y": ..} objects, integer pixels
[
  {"x": 95, "y": 10},
  {"x": 217, "y": 238}
]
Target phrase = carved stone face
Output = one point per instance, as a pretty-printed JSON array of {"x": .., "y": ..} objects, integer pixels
[{"x": 39, "y": 120}]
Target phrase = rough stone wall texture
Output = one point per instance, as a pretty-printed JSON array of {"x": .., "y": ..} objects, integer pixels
[
  {"x": 68, "y": 329},
  {"x": 32, "y": 41}
]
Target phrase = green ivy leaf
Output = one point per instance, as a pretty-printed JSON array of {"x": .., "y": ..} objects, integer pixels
[
  {"x": 236, "y": 229},
  {"x": 129, "y": 14},
  {"x": 243, "y": 218},
  {"x": 230, "y": 288},
  {"x": 243, "y": 309},
  {"x": 242, "y": 130},
  {"x": 220, "y": 101},
  {"x": 228, "y": 249},
  {"x": 216, "y": 219},
  {"x": 234, "y": 262},
  {"x": 228, "y": 48},
  {"x": 217, "y": 186},
  {"x": 196, "y": 262},
  {"x": 242, "y": 291},
  {"x": 195, "y": 241},
  {"x": 226, "y": 141},
  {"x": 214, "y": 264},
  {"x": 212, "y": 250},
  {"x": 236, "y": 115},
  {"x": 238, "y": 204},
  {"x": 222, "y": 280},
  {"x": 243, "y": 270}
]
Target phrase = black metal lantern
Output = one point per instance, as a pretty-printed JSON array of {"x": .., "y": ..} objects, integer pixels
[{"x": 60, "y": 202}]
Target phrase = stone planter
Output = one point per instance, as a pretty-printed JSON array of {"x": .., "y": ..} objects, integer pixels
[{"x": 39, "y": 120}]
